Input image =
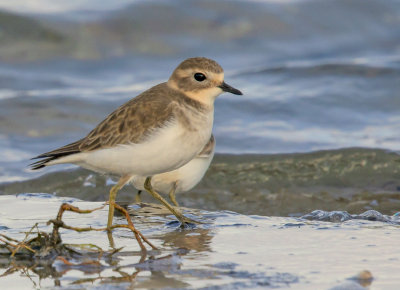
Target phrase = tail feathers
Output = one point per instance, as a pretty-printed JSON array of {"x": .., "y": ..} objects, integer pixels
[
  {"x": 55, "y": 154},
  {"x": 41, "y": 163}
]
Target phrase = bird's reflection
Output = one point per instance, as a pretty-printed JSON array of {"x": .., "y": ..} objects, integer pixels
[{"x": 195, "y": 240}]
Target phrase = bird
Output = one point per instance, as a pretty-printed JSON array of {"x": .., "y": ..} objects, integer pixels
[
  {"x": 160, "y": 130},
  {"x": 182, "y": 179}
]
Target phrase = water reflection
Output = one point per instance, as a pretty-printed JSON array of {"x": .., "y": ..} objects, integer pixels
[
  {"x": 72, "y": 264},
  {"x": 90, "y": 271},
  {"x": 108, "y": 267},
  {"x": 233, "y": 250},
  {"x": 196, "y": 240}
]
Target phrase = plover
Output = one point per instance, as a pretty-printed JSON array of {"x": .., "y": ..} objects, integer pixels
[
  {"x": 158, "y": 131},
  {"x": 182, "y": 179}
]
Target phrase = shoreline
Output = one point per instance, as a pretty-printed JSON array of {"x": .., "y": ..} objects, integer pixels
[{"x": 352, "y": 179}]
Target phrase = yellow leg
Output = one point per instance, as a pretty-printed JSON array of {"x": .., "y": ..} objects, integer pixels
[
  {"x": 176, "y": 212},
  {"x": 138, "y": 199},
  {"x": 113, "y": 194},
  {"x": 110, "y": 239},
  {"x": 172, "y": 194}
]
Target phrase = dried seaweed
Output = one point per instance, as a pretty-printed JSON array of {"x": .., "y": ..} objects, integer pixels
[{"x": 41, "y": 250}]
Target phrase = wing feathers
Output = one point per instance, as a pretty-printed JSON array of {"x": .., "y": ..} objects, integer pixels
[{"x": 130, "y": 123}]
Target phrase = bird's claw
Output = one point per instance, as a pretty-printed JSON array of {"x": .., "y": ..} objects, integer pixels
[{"x": 185, "y": 223}]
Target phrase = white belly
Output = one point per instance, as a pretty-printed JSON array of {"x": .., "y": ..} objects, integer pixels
[
  {"x": 186, "y": 177},
  {"x": 168, "y": 148}
]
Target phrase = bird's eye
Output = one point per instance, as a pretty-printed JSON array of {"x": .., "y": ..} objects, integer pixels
[{"x": 199, "y": 77}]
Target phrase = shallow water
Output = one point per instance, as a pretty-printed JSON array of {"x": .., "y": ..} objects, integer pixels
[
  {"x": 318, "y": 255},
  {"x": 317, "y": 75}
]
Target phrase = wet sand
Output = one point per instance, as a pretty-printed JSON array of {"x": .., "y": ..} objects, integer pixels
[
  {"x": 231, "y": 251},
  {"x": 353, "y": 179}
]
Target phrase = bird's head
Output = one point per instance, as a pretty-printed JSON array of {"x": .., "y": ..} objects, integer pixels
[{"x": 201, "y": 79}]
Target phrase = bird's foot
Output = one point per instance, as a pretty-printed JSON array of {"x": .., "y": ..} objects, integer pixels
[{"x": 185, "y": 223}]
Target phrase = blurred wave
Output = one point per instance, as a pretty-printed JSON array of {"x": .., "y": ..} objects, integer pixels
[
  {"x": 279, "y": 29},
  {"x": 316, "y": 74}
]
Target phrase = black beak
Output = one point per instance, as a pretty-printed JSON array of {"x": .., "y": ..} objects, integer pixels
[{"x": 227, "y": 88}]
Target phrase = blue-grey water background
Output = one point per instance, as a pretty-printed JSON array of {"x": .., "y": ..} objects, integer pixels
[{"x": 315, "y": 74}]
